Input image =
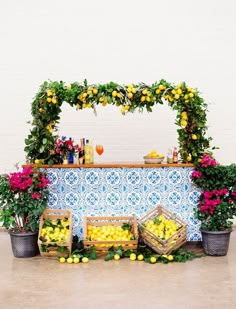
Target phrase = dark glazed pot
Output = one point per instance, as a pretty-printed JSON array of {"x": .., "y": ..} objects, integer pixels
[
  {"x": 216, "y": 243},
  {"x": 24, "y": 244}
]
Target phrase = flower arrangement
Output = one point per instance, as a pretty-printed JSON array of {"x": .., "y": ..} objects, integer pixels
[
  {"x": 217, "y": 203},
  {"x": 190, "y": 108},
  {"x": 64, "y": 147},
  {"x": 23, "y": 198}
]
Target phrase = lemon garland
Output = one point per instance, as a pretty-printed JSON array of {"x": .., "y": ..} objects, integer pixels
[{"x": 46, "y": 107}]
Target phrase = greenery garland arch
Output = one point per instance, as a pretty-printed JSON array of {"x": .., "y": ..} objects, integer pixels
[{"x": 46, "y": 107}]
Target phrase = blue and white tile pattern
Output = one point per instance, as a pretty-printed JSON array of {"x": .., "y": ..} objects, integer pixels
[{"x": 124, "y": 191}]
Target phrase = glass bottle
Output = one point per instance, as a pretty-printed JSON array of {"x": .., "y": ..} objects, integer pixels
[
  {"x": 87, "y": 155},
  {"x": 175, "y": 155}
]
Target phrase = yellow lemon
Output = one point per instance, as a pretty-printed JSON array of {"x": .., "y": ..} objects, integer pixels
[
  {"x": 179, "y": 91},
  {"x": 36, "y": 161},
  {"x": 186, "y": 97},
  {"x": 49, "y": 100},
  {"x": 158, "y": 91},
  {"x": 189, "y": 158},
  {"x": 194, "y": 136},
  {"x": 176, "y": 96},
  {"x": 144, "y": 91},
  {"x": 114, "y": 93},
  {"x": 69, "y": 260},
  {"x": 184, "y": 115},
  {"x": 85, "y": 259},
  {"x": 62, "y": 259},
  {"x": 143, "y": 98},
  {"x": 95, "y": 91},
  {"x": 54, "y": 100},
  {"x": 153, "y": 259},
  {"x": 170, "y": 257},
  {"x": 162, "y": 87},
  {"x": 132, "y": 257},
  {"x": 116, "y": 257},
  {"x": 126, "y": 107},
  {"x": 130, "y": 95},
  {"x": 122, "y": 111},
  {"x": 49, "y": 93},
  {"x": 76, "y": 260},
  {"x": 140, "y": 257},
  {"x": 183, "y": 123}
]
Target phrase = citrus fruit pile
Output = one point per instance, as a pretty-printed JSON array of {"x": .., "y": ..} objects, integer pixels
[
  {"x": 56, "y": 230},
  {"x": 162, "y": 227},
  {"x": 110, "y": 233},
  {"x": 74, "y": 259},
  {"x": 154, "y": 155}
]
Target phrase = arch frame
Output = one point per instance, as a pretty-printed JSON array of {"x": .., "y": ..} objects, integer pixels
[{"x": 191, "y": 113}]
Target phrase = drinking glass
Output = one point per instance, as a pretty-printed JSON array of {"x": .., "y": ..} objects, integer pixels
[{"x": 99, "y": 149}]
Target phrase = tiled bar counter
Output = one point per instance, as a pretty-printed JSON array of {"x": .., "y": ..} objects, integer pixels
[{"x": 124, "y": 189}]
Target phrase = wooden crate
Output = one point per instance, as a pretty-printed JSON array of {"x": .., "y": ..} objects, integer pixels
[
  {"x": 158, "y": 244},
  {"x": 101, "y": 247},
  {"x": 52, "y": 214}
]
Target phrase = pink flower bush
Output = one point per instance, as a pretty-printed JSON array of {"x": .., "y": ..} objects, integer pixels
[
  {"x": 196, "y": 174},
  {"x": 217, "y": 203},
  {"x": 23, "y": 197},
  {"x": 207, "y": 161}
]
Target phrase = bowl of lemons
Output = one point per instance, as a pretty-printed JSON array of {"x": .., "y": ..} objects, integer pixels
[{"x": 153, "y": 157}]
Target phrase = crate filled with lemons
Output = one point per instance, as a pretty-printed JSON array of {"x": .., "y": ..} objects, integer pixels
[
  {"x": 162, "y": 231},
  {"x": 55, "y": 233},
  {"x": 110, "y": 231}
]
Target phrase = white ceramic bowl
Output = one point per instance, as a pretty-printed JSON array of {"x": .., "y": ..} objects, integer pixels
[{"x": 153, "y": 160}]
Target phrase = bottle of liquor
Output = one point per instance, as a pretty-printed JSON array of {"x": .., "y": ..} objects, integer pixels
[
  {"x": 175, "y": 155},
  {"x": 91, "y": 152},
  {"x": 87, "y": 153},
  {"x": 81, "y": 153},
  {"x": 71, "y": 155}
]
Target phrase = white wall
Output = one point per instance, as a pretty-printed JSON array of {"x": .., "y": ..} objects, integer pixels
[{"x": 122, "y": 41}]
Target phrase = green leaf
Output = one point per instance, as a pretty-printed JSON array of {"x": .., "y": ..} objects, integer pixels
[
  {"x": 109, "y": 256},
  {"x": 45, "y": 141},
  {"x": 93, "y": 256},
  {"x": 41, "y": 150},
  {"x": 126, "y": 226}
]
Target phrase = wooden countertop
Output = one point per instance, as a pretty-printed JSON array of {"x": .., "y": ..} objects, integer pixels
[{"x": 112, "y": 165}]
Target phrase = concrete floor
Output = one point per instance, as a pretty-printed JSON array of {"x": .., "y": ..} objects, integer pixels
[{"x": 205, "y": 283}]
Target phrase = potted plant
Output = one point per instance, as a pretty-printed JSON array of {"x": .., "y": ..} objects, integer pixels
[
  {"x": 217, "y": 203},
  {"x": 23, "y": 198}
]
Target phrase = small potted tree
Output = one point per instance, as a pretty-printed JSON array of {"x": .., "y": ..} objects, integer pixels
[
  {"x": 217, "y": 204},
  {"x": 23, "y": 198}
]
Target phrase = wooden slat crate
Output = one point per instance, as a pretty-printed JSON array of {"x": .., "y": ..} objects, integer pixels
[
  {"x": 159, "y": 245},
  {"x": 102, "y": 246},
  {"x": 53, "y": 214}
]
